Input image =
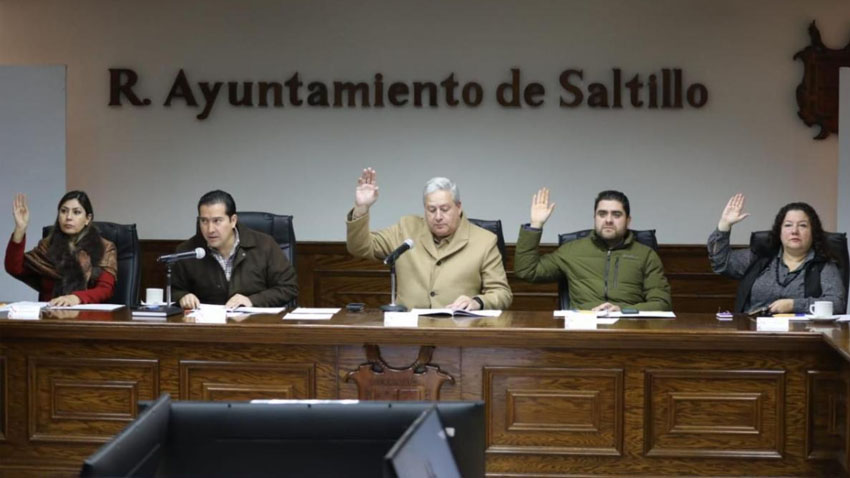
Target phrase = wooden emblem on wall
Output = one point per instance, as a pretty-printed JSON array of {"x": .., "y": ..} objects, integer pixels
[{"x": 817, "y": 95}]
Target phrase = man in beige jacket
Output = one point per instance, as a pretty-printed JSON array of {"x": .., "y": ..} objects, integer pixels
[{"x": 453, "y": 263}]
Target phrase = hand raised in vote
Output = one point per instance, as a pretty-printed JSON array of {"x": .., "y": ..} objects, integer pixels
[
  {"x": 21, "y": 214},
  {"x": 541, "y": 209},
  {"x": 733, "y": 213},
  {"x": 366, "y": 193}
]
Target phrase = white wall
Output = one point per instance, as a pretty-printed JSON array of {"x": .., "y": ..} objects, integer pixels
[
  {"x": 32, "y": 148},
  {"x": 150, "y": 165}
]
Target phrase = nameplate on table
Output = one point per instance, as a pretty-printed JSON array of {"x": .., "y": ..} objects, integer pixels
[
  {"x": 580, "y": 322},
  {"x": 401, "y": 319},
  {"x": 580, "y": 319},
  {"x": 772, "y": 324},
  {"x": 209, "y": 314}
]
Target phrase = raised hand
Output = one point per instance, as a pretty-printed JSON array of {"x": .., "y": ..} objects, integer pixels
[
  {"x": 21, "y": 214},
  {"x": 541, "y": 209},
  {"x": 366, "y": 193},
  {"x": 733, "y": 213}
]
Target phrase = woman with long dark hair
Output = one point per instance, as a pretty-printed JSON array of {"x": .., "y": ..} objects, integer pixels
[
  {"x": 798, "y": 271},
  {"x": 73, "y": 264}
]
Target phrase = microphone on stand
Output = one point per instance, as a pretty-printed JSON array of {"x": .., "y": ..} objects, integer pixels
[
  {"x": 390, "y": 261},
  {"x": 407, "y": 244},
  {"x": 167, "y": 309},
  {"x": 198, "y": 253}
]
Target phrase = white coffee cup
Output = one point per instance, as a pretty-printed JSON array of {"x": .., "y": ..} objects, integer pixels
[
  {"x": 821, "y": 308},
  {"x": 153, "y": 296}
]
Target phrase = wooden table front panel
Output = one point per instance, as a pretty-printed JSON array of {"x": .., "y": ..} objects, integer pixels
[
  {"x": 693, "y": 397},
  {"x": 656, "y": 412},
  {"x": 69, "y": 397}
]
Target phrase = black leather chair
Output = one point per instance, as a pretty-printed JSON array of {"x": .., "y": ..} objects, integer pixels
[
  {"x": 126, "y": 241},
  {"x": 494, "y": 226},
  {"x": 279, "y": 227},
  {"x": 646, "y": 237},
  {"x": 760, "y": 245}
]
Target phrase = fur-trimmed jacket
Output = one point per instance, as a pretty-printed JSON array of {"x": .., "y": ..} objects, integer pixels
[{"x": 85, "y": 266}]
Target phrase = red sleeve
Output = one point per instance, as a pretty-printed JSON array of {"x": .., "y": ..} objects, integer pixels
[
  {"x": 101, "y": 292},
  {"x": 15, "y": 257}
]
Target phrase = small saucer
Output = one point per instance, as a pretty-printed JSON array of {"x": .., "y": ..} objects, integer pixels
[
  {"x": 825, "y": 318},
  {"x": 152, "y": 304}
]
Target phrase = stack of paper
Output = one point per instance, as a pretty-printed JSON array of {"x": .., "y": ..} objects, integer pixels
[
  {"x": 311, "y": 313},
  {"x": 456, "y": 313},
  {"x": 103, "y": 307}
]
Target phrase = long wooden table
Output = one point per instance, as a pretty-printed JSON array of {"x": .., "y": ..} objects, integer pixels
[{"x": 691, "y": 396}]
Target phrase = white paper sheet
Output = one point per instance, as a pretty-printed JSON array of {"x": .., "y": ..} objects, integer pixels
[
  {"x": 641, "y": 314},
  {"x": 316, "y": 310},
  {"x": 297, "y": 316},
  {"x": 257, "y": 310},
  {"x": 104, "y": 307}
]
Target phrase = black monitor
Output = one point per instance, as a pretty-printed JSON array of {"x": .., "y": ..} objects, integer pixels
[
  {"x": 423, "y": 451},
  {"x": 299, "y": 438},
  {"x": 137, "y": 450}
]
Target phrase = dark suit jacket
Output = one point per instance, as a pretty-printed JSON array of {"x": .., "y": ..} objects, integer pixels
[{"x": 260, "y": 272}]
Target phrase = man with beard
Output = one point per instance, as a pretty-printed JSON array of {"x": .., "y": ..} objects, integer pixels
[{"x": 607, "y": 271}]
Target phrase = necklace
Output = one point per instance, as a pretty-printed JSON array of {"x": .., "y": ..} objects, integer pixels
[{"x": 788, "y": 278}]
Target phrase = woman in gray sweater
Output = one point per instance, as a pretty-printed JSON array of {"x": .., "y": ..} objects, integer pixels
[{"x": 798, "y": 271}]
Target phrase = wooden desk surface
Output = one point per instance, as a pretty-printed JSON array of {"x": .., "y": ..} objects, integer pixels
[
  {"x": 687, "y": 396},
  {"x": 511, "y": 329}
]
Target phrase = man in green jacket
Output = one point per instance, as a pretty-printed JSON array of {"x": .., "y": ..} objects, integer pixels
[{"x": 607, "y": 270}]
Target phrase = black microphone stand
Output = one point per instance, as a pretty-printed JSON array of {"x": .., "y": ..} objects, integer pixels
[
  {"x": 392, "y": 306},
  {"x": 163, "y": 310},
  {"x": 169, "y": 308}
]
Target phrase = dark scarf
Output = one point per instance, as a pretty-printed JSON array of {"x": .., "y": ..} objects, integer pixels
[{"x": 74, "y": 263}]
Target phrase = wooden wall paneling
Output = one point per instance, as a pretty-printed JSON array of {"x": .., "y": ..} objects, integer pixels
[
  {"x": 4, "y": 397},
  {"x": 558, "y": 411},
  {"x": 714, "y": 413},
  {"x": 329, "y": 276},
  {"x": 227, "y": 371},
  {"x": 86, "y": 399},
  {"x": 244, "y": 381},
  {"x": 14, "y": 471},
  {"x": 826, "y": 417}
]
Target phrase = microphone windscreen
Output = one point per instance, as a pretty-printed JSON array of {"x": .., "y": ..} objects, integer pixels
[{"x": 200, "y": 253}]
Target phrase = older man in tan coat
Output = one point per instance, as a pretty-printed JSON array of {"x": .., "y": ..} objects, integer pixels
[{"x": 453, "y": 264}]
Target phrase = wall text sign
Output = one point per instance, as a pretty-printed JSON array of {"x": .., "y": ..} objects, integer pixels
[{"x": 665, "y": 89}]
